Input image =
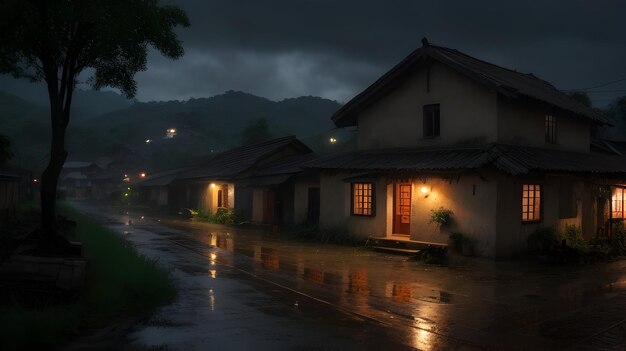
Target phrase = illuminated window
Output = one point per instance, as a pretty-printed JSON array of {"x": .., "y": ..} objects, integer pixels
[
  {"x": 531, "y": 203},
  {"x": 431, "y": 121},
  {"x": 550, "y": 124},
  {"x": 617, "y": 203},
  {"x": 363, "y": 199}
]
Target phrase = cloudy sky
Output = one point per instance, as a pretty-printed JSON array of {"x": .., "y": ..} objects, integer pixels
[{"x": 287, "y": 48}]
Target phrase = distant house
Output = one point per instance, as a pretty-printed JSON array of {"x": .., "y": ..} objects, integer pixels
[
  {"x": 506, "y": 152},
  {"x": 229, "y": 180},
  {"x": 284, "y": 193},
  {"x": 155, "y": 189},
  {"x": 74, "y": 179}
]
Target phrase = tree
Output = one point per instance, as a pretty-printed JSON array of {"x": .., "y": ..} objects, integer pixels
[
  {"x": 5, "y": 149},
  {"x": 56, "y": 40},
  {"x": 255, "y": 132}
]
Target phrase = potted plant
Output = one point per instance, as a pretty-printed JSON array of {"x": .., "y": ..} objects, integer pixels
[{"x": 441, "y": 216}]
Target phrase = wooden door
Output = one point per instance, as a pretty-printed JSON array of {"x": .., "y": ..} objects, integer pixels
[
  {"x": 268, "y": 207},
  {"x": 402, "y": 209},
  {"x": 313, "y": 211}
]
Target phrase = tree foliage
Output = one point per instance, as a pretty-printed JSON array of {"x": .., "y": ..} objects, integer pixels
[
  {"x": 55, "y": 40},
  {"x": 256, "y": 132},
  {"x": 581, "y": 97},
  {"x": 5, "y": 149}
]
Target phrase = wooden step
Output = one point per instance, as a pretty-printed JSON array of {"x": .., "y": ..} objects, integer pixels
[{"x": 396, "y": 250}]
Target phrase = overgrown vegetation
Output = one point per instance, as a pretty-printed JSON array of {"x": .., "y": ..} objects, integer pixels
[
  {"x": 119, "y": 282},
  {"x": 221, "y": 216},
  {"x": 571, "y": 247}
]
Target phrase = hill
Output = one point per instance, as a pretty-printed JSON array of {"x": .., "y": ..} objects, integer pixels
[{"x": 204, "y": 125}]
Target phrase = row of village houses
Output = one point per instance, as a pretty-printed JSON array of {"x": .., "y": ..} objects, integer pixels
[{"x": 505, "y": 152}]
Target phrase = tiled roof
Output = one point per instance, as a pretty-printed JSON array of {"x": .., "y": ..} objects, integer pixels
[
  {"x": 229, "y": 164},
  {"x": 514, "y": 160},
  {"x": 506, "y": 81}
]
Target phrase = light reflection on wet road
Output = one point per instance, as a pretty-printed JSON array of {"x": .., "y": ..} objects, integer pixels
[{"x": 244, "y": 288}]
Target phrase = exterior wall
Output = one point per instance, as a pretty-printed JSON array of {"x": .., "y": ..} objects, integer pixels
[
  {"x": 522, "y": 123},
  {"x": 257, "y": 205},
  {"x": 472, "y": 201},
  {"x": 301, "y": 200},
  {"x": 335, "y": 207},
  {"x": 8, "y": 198},
  {"x": 468, "y": 112},
  {"x": 512, "y": 232},
  {"x": 207, "y": 201},
  {"x": 159, "y": 196}
]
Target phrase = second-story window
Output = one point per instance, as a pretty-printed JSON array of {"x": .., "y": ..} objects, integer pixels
[
  {"x": 431, "y": 121},
  {"x": 550, "y": 127}
]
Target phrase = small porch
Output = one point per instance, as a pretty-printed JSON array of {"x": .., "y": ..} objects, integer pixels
[{"x": 402, "y": 245}]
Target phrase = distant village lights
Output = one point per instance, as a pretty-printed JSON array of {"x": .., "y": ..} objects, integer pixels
[
  {"x": 142, "y": 174},
  {"x": 170, "y": 133},
  {"x": 332, "y": 140},
  {"x": 148, "y": 141}
]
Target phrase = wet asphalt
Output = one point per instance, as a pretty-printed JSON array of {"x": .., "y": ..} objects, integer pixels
[{"x": 250, "y": 289}]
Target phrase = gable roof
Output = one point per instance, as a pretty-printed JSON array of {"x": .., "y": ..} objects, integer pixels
[
  {"x": 505, "y": 81},
  {"x": 231, "y": 163},
  {"x": 511, "y": 159}
]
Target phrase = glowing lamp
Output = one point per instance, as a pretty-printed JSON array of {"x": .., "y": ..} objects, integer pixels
[
  {"x": 212, "y": 185},
  {"x": 142, "y": 175},
  {"x": 425, "y": 191},
  {"x": 332, "y": 140},
  {"x": 35, "y": 180}
]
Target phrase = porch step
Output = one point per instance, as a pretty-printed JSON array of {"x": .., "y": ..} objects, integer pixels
[
  {"x": 396, "y": 250},
  {"x": 403, "y": 246}
]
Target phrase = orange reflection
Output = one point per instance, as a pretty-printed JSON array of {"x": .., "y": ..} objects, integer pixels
[
  {"x": 314, "y": 275},
  {"x": 400, "y": 292},
  {"x": 270, "y": 259},
  {"x": 358, "y": 282}
]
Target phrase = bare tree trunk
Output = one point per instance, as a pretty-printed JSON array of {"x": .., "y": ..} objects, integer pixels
[{"x": 50, "y": 178}]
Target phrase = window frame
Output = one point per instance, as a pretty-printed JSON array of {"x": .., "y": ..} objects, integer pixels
[
  {"x": 433, "y": 112},
  {"x": 614, "y": 201},
  {"x": 372, "y": 199},
  {"x": 540, "y": 198},
  {"x": 550, "y": 129}
]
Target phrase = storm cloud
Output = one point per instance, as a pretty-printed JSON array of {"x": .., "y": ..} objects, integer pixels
[{"x": 334, "y": 49}]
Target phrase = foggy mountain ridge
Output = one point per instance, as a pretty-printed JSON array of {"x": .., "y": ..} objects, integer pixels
[{"x": 204, "y": 125}]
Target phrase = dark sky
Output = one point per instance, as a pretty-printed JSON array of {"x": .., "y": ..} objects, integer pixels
[{"x": 333, "y": 49}]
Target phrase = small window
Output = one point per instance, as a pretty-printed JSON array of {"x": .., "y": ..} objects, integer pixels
[
  {"x": 220, "y": 199},
  {"x": 363, "y": 199},
  {"x": 531, "y": 203},
  {"x": 431, "y": 121},
  {"x": 550, "y": 124},
  {"x": 617, "y": 203}
]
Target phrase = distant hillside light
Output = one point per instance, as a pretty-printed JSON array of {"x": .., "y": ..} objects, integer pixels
[
  {"x": 148, "y": 141},
  {"x": 332, "y": 140},
  {"x": 170, "y": 133},
  {"x": 142, "y": 174}
]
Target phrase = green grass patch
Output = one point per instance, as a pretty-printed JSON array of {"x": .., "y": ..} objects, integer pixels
[{"x": 119, "y": 282}]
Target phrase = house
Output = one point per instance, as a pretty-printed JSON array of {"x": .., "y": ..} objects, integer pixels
[
  {"x": 74, "y": 179},
  {"x": 155, "y": 189},
  {"x": 217, "y": 183},
  {"x": 283, "y": 193},
  {"x": 506, "y": 152}
]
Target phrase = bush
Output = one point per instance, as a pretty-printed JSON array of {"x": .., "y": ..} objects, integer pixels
[
  {"x": 543, "y": 241},
  {"x": 441, "y": 216},
  {"x": 462, "y": 243},
  {"x": 222, "y": 216},
  {"x": 574, "y": 238}
]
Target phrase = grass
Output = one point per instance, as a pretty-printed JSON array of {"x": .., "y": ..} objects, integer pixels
[{"x": 119, "y": 283}]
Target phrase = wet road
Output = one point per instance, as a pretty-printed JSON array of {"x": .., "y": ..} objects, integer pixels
[{"x": 249, "y": 289}]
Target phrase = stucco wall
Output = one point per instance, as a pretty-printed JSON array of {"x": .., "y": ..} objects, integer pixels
[
  {"x": 512, "y": 232},
  {"x": 468, "y": 112},
  {"x": 521, "y": 122},
  {"x": 301, "y": 200},
  {"x": 335, "y": 207},
  {"x": 472, "y": 201},
  {"x": 257, "y": 205}
]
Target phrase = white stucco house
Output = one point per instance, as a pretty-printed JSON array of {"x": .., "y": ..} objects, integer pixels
[{"x": 505, "y": 151}]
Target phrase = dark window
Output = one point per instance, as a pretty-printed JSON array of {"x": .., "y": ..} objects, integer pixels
[
  {"x": 220, "y": 199},
  {"x": 531, "y": 203},
  {"x": 550, "y": 124},
  {"x": 363, "y": 199},
  {"x": 431, "y": 121}
]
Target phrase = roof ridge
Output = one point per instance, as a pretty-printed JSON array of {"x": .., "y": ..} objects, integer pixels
[{"x": 530, "y": 75}]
